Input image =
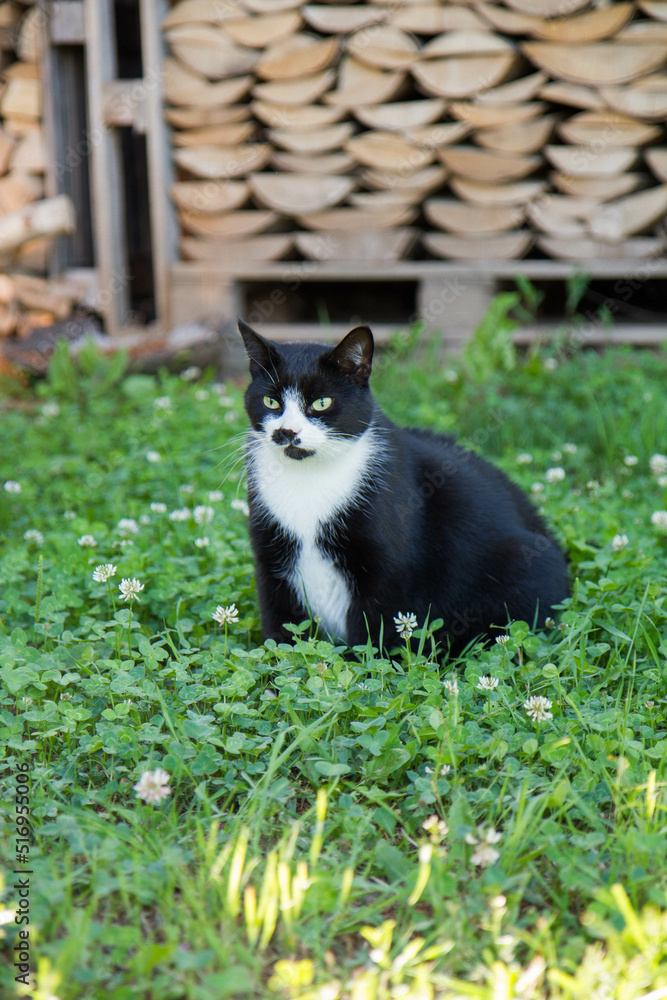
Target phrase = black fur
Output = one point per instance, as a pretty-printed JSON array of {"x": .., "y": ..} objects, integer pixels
[{"x": 439, "y": 532}]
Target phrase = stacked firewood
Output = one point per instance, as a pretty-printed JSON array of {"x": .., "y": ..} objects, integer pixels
[
  {"x": 375, "y": 130},
  {"x": 27, "y": 220}
]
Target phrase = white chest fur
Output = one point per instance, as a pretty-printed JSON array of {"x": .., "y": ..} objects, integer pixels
[{"x": 303, "y": 496}]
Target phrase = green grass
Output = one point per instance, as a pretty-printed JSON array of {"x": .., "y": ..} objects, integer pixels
[{"x": 327, "y": 809}]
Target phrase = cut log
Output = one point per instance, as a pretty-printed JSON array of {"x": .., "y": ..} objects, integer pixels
[
  {"x": 547, "y": 8},
  {"x": 271, "y": 6},
  {"x": 388, "y": 151},
  {"x": 465, "y": 43},
  {"x": 7, "y": 289},
  {"x": 463, "y": 76},
  {"x": 628, "y": 216},
  {"x": 239, "y": 223},
  {"x": 591, "y": 161},
  {"x": 198, "y": 117},
  {"x": 9, "y": 315},
  {"x": 657, "y": 161},
  {"x": 29, "y": 155},
  {"x": 294, "y": 194},
  {"x": 203, "y": 11},
  {"x": 601, "y": 188},
  {"x": 485, "y": 115},
  {"x": 206, "y": 49},
  {"x": 210, "y": 196},
  {"x": 643, "y": 32},
  {"x": 600, "y": 127},
  {"x": 402, "y": 115},
  {"x": 29, "y": 40},
  {"x": 45, "y": 296},
  {"x": 301, "y": 55},
  {"x": 591, "y": 26},
  {"x": 22, "y": 98},
  {"x": 588, "y": 249},
  {"x": 372, "y": 245},
  {"x": 183, "y": 87},
  {"x": 219, "y": 162},
  {"x": 573, "y": 208},
  {"x": 215, "y": 135},
  {"x": 480, "y": 193},
  {"x": 265, "y": 29},
  {"x": 341, "y": 20},
  {"x": 650, "y": 105},
  {"x": 482, "y": 165},
  {"x": 7, "y": 144},
  {"x": 359, "y": 83},
  {"x": 51, "y": 217},
  {"x": 325, "y": 163},
  {"x": 432, "y": 19},
  {"x": 519, "y": 137},
  {"x": 229, "y": 252},
  {"x": 510, "y": 22},
  {"x": 383, "y": 47},
  {"x": 296, "y": 115},
  {"x": 654, "y": 8},
  {"x": 491, "y": 246},
  {"x": 304, "y": 90},
  {"x": 573, "y": 95},
  {"x": 18, "y": 190},
  {"x": 421, "y": 182},
  {"x": 595, "y": 63},
  {"x": 380, "y": 199},
  {"x": 314, "y": 140},
  {"x": 357, "y": 219},
  {"x": 435, "y": 136},
  {"x": 10, "y": 14},
  {"x": 547, "y": 219},
  {"x": 460, "y": 217},
  {"x": 523, "y": 89}
]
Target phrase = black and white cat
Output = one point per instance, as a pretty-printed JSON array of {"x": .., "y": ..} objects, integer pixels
[{"x": 355, "y": 520}]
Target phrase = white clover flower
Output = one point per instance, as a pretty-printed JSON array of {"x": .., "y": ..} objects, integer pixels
[
  {"x": 203, "y": 514},
  {"x": 556, "y": 456},
  {"x": 630, "y": 460},
  {"x": 662, "y": 480},
  {"x": 87, "y": 541},
  {"x": 537, "y": 488},
  {"x": 130, "y": 589},
  {"x": 34, "y": 536},
  {"x": 225, "y": 616},
  {"x": 153, "y": 457},
  {"x": 191, "y": 373},
  {"x": 592, "y": 484},
  {"x": 537, "y": 707},
  {"x": 127, "y": 526},
  {"x": 570, "y": 449},
  {"x": 549, "y": 623},
  {"x": 550, "y": 364},
  {"x": 444, "y": 770},
  {"x": 186, "y": 488},
  {"x": 240, "y": 505},
  {"x": 619, "y": 542},
  {"x": 158, "y": 507},
  {"x": 215, "y": 496},
  {"x": 182, "y": 514},
  {"x": 487, "y": 683},
  {"x": 658, "y": 464},
  {"x": 225, "y": 401},
  {"x": 50, "y": 410},
  {"x": 659, "y": 519},
  {"x": 201, "y": 395},
  {"x": 104, "y": 572},
  {"x": 436, "y": 828},
  {"x": 452, "y": 686},
  {"x": 502, "y": 639},
  {"x": 144, "y": 519},
  {"x": 485, "y": 854},
  {"x": 162, "y": 403},
  {"x": 405, "y": 624},
  {"x": 69, "y": 515},
  {"x": 555, "y": 475},
  {"x": 153, "y": 786},
  {"x": 231, "y": 417},
  {"x": 524, "y": 458},
  {"x": 11, "y": 486},
  {"x": 202, "y": 543},
  {"x": 451, "y": 376}
]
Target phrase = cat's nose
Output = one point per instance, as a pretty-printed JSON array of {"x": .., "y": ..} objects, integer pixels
[{"x": 283, "y": 435}]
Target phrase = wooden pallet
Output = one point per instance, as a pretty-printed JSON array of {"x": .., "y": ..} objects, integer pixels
[{"x": 451, "y": 298}]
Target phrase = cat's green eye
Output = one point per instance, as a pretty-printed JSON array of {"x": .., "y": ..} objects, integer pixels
[
  {"x": 323, "y": 403},
  {"x": 270, "y": 403}
]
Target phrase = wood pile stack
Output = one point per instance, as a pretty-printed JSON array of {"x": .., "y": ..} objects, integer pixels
[
  {"x": 27, "y": 223},
  {"x": 350, "y": 131}
]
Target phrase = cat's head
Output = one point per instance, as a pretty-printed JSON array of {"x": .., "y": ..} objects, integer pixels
[{"x": 304, "y": 397}]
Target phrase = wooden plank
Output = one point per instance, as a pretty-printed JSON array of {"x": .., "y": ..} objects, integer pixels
[{"x": 107, "y": 182}]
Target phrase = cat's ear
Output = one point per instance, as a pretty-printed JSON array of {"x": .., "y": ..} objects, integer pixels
[
  {"x": 354, "y": 355},
  {"x": 259, "y": 350}
]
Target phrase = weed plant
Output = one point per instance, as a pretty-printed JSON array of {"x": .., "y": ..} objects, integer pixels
[{"x": 213, "y": 816}]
